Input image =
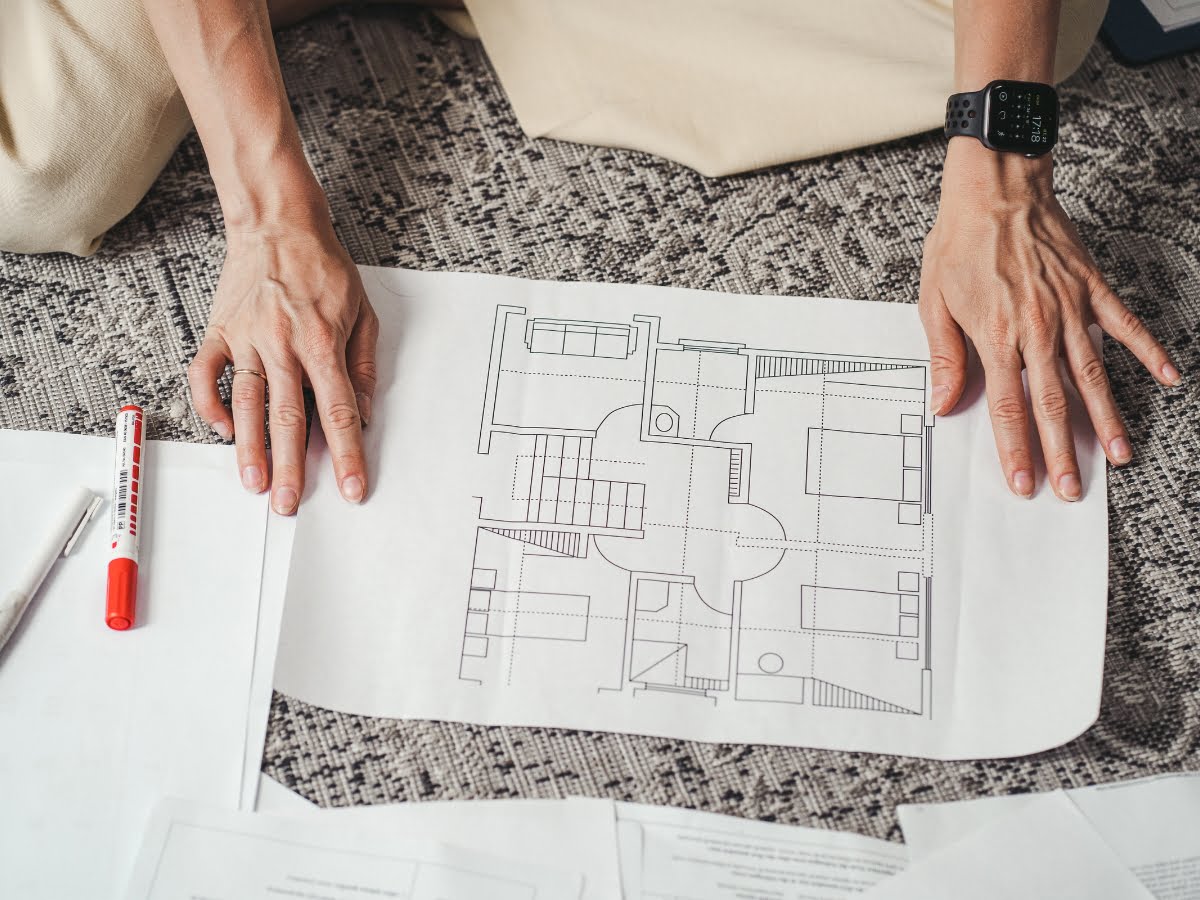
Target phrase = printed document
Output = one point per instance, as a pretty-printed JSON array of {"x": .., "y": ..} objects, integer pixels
[
  {"x": 577, "y": 834},
  {"x": 679, "y": 854},
  {"x": 689, "y": 514},
  {"x": 194, "y": 851},
  {"x": 98, "y": 724},
  {"x": 1047, "y": 850},
  {"x": 1151, "y": 824},
  {"x": 664, "y": 852}
]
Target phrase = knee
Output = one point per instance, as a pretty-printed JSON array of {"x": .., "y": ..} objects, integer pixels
[
  {"x": 82, "y": 141},
  {"x": 49, "y": 209},
  {"x": 62, "y": 188},
  {"x": 1079, "y": 22}
]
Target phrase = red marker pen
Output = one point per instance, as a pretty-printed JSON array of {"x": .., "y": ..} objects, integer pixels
[{"x": 127, "y": 480}]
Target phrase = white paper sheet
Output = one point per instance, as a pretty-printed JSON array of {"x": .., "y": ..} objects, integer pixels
[
  {"x": 193, "y": 851},
  {"x": 277, "y": 800},
  {"x": 96, "y": 724},
  {"x": 1151, "y": 824},
  {"x": 688, "y": 855},
  {"x": 1047, "y": 850},
  {"x": 276, "y": 556},
  {"x": 629, "y": 851},
  {"x": 690, "y": 514},
  {"x": 577, "y": 834}
]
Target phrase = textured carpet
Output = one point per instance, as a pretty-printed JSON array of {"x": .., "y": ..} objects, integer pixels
[{"x": 426, "y": 167}]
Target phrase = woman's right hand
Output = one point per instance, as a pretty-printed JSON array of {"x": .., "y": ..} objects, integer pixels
[{"x": 289, "y": 304}]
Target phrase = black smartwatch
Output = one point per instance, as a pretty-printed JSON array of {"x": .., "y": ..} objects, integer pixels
[{"x": 1014, "y": 116}]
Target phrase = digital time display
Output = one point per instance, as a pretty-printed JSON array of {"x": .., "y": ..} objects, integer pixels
[{"x": 1022, "y": 117}]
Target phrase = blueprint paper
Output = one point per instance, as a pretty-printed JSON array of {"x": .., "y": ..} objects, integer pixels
[
  {"x": 680, "y": 854},
  {"x": 195, "y": 851},
  {"x": 1151, "y": 824},
  {"x": 577, "y": 834},
  {"x": 1047, "y": 850},
  {"x": 690, "y": 514},
  {"x": 96, "y": 724}
]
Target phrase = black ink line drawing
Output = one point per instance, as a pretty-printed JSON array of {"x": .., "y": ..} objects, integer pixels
[{"x": 700, "y": 518}]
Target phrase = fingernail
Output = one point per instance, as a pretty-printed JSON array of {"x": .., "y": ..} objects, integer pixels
[
  {"x": 1120, "y": 450},
  {"x": 223, "y": 429},
  {"x": 1171, "y": 374},
  {"x": 1023, "y": 482},
  {"x": 1069, "y": 487},
  {"x": 352, "y": 489},
  {"x": 252, "y": 479},
  {"x": 938, "y": 400},
  {"x": 364, "y": 408},
  {"x": 285, "y": 501}
]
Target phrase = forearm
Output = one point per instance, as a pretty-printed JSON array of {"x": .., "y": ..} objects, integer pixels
[
  {"x": 995, "y": 40},
  {"x": 222, "y": 53}
]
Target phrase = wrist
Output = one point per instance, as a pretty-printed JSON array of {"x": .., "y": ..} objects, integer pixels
[
  {"x": 278, "y": 189},
  {"x": 973, "y": 168}
]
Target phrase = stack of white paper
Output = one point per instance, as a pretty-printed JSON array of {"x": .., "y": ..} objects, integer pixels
[
  {"x": 1129, "y": 841},
  {"x": 577, "y": 834},
  {"x": 98, "y": 725},
  {"x": 663, "y": 852},
  {"x": 194, "y": 851}
]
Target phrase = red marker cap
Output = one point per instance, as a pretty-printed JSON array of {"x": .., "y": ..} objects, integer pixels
[{"x": 122, "y": 594}]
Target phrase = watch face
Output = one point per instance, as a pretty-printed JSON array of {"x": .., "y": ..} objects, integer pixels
[{"x": 1021, "y": 116}]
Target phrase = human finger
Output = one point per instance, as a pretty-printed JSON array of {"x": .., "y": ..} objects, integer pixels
[
  {"x": 1010, "y": 421},
  {"x": 1087, "y": 371},
  {"x": 203, "y": 373},
  {"x": 248, "y": 399},
  {"x": 947, "y": 352},
  {"x": 1052, "y": 412},
  {"x": 1119, "y": 320},
  {"x": 340, "y": 421},
  {"x": 360, "y": 360},
  {"x": 285, "y": 401}
]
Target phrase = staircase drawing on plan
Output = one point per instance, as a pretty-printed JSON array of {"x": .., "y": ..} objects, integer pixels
[{"x": 696, "y": 517}]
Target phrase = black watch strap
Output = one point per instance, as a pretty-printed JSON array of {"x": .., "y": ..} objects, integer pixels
[
  {"x": 964, "y": 114},
  {"x": 1006, "y": 116}
]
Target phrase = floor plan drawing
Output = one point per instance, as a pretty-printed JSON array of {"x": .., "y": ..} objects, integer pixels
[
  {"x": 687, "y": 515},
  {"x": 705, "y": 516}
]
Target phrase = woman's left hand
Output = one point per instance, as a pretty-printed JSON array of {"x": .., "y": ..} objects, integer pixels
[{"x": 1004, "y": 265}]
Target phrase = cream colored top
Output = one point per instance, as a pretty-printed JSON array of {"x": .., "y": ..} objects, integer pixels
[{"x": 725, "y": 86}]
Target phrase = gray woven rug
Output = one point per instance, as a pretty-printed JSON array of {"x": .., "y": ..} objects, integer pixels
[{"x": 426, "y": 167}]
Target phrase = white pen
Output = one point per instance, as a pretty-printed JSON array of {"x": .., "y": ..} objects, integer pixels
[{"x": 58, "y": 542}]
